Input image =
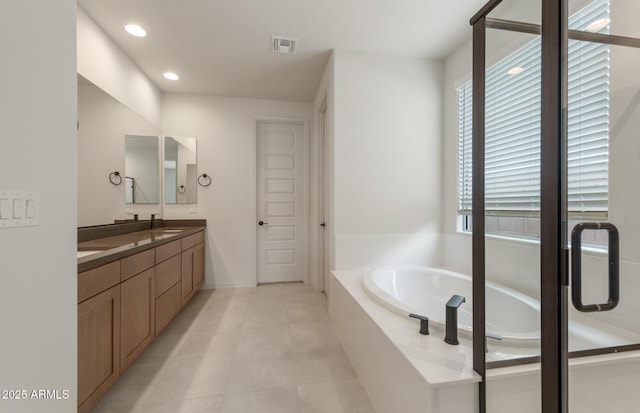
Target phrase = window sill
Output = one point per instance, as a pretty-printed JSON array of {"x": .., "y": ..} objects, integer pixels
[{"x": 587, "y": 250}]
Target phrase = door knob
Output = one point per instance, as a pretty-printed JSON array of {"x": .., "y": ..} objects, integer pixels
[
  {"x": 261, "y": 223},
  {"x": 324, "y": 224}
]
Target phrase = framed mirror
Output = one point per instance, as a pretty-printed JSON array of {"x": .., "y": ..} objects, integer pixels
[
  {"x": 141, "y": 156},
  {"x": 180, "y": 170}
]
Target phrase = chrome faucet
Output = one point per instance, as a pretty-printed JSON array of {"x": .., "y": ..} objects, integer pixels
[{"x": 451, "y": 325}]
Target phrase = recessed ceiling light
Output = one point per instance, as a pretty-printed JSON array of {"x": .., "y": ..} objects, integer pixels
[
  {"x": 516, "y": 70},
  {"x": 171, "y": 76},
  {"x": 135, "y": 30},
  {"x": 598, "y": 24}
]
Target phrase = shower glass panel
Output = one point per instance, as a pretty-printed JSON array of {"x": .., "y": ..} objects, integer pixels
[
  {"x": 604, "y": 180},
  {"x": 512, "y": 187}
]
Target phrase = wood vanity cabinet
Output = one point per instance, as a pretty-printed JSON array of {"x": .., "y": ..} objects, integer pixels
[
  {"x": 98, "y": 346},
  {"x": 125, "y": 304}
]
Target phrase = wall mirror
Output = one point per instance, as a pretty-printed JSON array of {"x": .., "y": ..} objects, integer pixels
[
  {"x": 141, "y": 169},
  {"x": 180, "y": 170},
  {"x": 103, "y": 123}
]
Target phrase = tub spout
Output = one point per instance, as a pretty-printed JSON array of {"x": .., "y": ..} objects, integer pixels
[{"x": 451, "y": 325}]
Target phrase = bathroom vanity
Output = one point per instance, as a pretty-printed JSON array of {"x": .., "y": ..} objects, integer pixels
[{"x": 131, "y": 283}]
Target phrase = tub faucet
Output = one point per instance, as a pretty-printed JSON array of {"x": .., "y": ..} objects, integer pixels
[
  {"x": 424, "y": 323},
  {"x": 451, "y": 325}
]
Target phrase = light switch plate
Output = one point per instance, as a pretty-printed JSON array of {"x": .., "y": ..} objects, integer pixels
[{"x": 19, "y": 209}]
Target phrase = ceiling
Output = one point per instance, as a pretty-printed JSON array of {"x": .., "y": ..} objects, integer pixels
[{"x": 222, "y": 47}]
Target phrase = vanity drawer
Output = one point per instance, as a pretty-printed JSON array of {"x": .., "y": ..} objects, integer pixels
[
  {"x": 166, "y": 251},
  {"x": 167, "y": 274},
  {"x": 137, "y": 263},
  {"x": 167, "y": 306},
  {"x": 188, "y": 242},
  {"x": 97, "y": 280},
  {"x": 199, "y": 237}
]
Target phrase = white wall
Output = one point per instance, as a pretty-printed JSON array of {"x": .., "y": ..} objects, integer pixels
[
  {"x": 38, "y": 301},
  {"x": 224, "y": 128},
  {"x": 387, "y": 155},
  {"x": 104, "y": 122},
  {"x": 109, "y": 68},
  {"x": 322, "y": 134}
]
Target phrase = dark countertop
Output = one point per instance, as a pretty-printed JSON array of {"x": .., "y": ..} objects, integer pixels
[{"x": 123, "y": 245}]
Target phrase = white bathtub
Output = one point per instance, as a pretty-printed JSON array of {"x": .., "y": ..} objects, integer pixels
[
  {"x": 511, "y": 315},
  {"x": 404, "y": 371}
]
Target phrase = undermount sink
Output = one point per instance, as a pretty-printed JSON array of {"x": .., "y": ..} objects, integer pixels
[{"x": 89, "y": 252}]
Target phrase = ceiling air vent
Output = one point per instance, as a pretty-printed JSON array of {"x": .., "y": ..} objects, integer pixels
[{"x": 284, "y": 45}]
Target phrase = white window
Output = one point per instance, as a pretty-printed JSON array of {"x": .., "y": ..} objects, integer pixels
[{"x": 512, "y": 134}]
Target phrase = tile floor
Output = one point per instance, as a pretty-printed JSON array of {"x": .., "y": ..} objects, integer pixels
[{"x": 266, "y": 349}]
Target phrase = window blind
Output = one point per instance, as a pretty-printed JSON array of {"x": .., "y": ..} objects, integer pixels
[{"x": 512, "y": 128}]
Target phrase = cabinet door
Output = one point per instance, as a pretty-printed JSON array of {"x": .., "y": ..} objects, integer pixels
[
  {"x": 98, "y": 346},
  {"x": 198, "y": 266},
  {"x": 167, "y": 306},
  {"x": 138, "y": 321},
  {"x": 168, "y": 273},
  {"x": 187, "y": 275}
]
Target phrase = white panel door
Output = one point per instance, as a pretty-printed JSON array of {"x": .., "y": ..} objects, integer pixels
[{"x": 280, "y": 173}]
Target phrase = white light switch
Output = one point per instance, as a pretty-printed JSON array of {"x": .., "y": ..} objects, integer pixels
[
  {"x": 5, "y": 209},
  {"x": 19, "y": 208}
]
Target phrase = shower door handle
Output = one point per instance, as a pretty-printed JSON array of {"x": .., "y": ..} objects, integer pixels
[{"x": 576, "y": 267}]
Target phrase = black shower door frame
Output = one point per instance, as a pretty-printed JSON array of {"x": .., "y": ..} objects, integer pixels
[
  {"x": 553, "y": 215},
  {"x": 553, "y": 270}
]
